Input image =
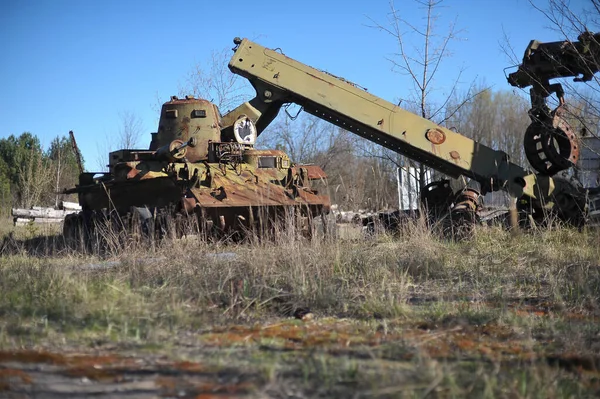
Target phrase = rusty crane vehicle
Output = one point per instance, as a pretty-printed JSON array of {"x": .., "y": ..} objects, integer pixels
[{"x": 204, "y": 166}]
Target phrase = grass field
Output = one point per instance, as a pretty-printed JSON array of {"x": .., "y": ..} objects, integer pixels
[{"x": 498, "y": 316}]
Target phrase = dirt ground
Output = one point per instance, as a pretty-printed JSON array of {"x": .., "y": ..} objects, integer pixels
[
  {"x": 500, "y": 316},
  {"x": 454, "y": 356}
]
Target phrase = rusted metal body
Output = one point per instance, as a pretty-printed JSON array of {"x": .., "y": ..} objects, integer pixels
[
  {"x": 550, "y": 144},
  {"x": 193, "y": 169}
]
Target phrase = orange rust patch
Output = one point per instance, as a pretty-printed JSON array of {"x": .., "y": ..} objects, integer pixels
[
  {"x": 93, "y": 367},
  {"x": 466, "y": 344},
  {"x": 295, "y": 336},
  {"x": 93, "y": 361},
  {"x": 539, "y": 313},
  {"x": 435, "y": 136},
  {"x": 189, "y": 366},
  {"x": 492, "y": 340},
  {"x": 541, "y": 309},
  {"x": 32, "y": 357},
  {"x": 77, "y": 365}
]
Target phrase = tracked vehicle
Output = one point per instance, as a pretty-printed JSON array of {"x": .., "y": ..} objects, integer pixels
[
  {"x": 195, "y": 170},
  {"x": 203, "y": 167}
]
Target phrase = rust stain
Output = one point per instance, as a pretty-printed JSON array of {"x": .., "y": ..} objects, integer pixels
[
  {"x": 314, "y": 171},
  {"x": 260, "y": 187},
  {"x": 318, "y": 78},
  {"x": 436, "y": 136},
  {"x": 189, "y": 366},
  {"x": 189, "y": 100},
  {"x": 306, "y": 335},
  {"x": 32, "y": 357},
  {"x": 274, "y": 153},
  {"x": 494, "y": 341},
  {"x": 442, "y": 339},
  {"x": 133, "y": 172}
]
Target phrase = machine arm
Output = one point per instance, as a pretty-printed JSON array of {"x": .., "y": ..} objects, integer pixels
[
  {"x": 279, "y": 79},
  {"x": 550, "y": 144},
  {"x": 545, "y": 61}
]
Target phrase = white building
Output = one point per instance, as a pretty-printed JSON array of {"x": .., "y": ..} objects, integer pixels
[
  {"x": 589, "y": 162},
  {"x": 408, "y": 187}
]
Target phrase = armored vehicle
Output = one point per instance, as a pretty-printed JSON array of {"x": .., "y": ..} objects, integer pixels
[{"x": 198, "y": 171}]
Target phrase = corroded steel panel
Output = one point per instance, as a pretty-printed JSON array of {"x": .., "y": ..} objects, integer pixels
[{"x": 182, "y": 119}]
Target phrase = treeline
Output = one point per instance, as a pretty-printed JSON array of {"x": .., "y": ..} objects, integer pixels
[{"x": 33, "y": 176}]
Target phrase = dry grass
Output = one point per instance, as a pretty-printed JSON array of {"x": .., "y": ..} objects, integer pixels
[{"x": 410, "y": 315}]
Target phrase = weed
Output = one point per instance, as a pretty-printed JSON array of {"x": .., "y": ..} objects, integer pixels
[{"x": 405, "y": 315}]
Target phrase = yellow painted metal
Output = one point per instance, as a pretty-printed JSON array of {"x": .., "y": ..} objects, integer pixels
[{"x": 279, "y": 79}]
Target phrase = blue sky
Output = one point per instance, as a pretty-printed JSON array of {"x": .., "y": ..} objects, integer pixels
[{"x": 75, "y": 65}]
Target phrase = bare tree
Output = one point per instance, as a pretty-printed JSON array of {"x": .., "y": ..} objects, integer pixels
[
  {"x": 300, "y": 138},
  {"x": 497, "y": 119},
  {"x": 355, "y": 182},
  {"x": 63, "y": 163},
  {"x": 129, "y": 134},
  {"x": 420, "y": 63},
  {"x": 570, "y": 18},
  {"x": 34, "y": 177},
  {"x": 213, "y": 81},
  {"x": 130, "y": 130},
  {"x": 307, "y": 139}
]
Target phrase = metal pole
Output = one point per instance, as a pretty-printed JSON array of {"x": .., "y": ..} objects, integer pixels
[
  {"x": 76, "y": 150},
  {"x": 409, "y": 177},
  {"x": 399, "y": 182}
]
